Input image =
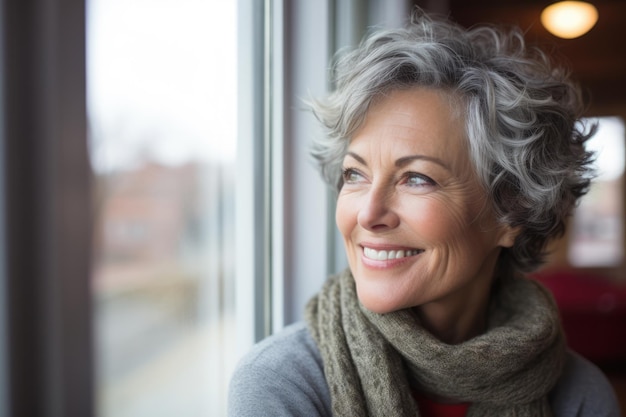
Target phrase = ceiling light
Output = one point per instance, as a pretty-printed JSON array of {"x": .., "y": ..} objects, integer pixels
[{"x": 569, "y": 19}]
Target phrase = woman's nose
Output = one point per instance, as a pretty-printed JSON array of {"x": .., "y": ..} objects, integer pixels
[{"x": 378, "y": 211}]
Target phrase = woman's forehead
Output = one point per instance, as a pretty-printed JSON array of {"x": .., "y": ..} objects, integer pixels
[{"x": 413, "y": 118}]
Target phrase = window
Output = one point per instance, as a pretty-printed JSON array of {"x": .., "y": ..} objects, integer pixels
[
  {"x": 597, "y": 230},
  {"x": 162, "y": 101}
]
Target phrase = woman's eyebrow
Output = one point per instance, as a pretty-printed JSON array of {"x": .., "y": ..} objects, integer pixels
[
  {"x": 405, "y": 160},
  {"x": 357, "y": 157}
]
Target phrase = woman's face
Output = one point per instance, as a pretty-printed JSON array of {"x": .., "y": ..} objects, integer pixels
[{"x": 416, "y": 225}]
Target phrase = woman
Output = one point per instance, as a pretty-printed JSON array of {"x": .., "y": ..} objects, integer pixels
[{"x": 457, "y": 156}]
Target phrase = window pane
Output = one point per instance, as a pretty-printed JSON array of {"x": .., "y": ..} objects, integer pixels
[
  {"x": 597, "y": 233},
  {"x": 162, "y": 113}
]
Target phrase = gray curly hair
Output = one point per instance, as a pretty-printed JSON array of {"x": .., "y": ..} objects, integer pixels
[{"x": 522, "y": 118}]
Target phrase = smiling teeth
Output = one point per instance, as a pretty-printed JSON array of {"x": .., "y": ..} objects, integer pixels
[{"x": 383, "y": 255}]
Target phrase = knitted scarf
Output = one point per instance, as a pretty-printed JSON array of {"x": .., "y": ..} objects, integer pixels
[{"x": 373, "y": 361}]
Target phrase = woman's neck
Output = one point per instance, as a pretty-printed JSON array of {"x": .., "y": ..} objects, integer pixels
[
  {"x": 459, "y": 317},
  {"x": 453, "y": 328}
]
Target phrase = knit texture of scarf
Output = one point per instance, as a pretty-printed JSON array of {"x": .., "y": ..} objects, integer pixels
[{"x": 373, "y": 361}]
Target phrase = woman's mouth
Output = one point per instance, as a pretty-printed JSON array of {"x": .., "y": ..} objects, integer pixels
[{"x": 385, "y": 255}]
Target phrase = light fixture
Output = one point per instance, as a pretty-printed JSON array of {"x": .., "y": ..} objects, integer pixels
[{"x": 569, "y": 19}]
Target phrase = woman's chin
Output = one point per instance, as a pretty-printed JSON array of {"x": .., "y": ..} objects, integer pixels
[{"x": 379, "y": 304}]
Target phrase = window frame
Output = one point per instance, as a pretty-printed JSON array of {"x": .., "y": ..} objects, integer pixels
[{"x": 46, "y": 216}]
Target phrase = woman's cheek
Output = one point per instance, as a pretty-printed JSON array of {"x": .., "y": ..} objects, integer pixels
[{"x": 346, "y": 212}]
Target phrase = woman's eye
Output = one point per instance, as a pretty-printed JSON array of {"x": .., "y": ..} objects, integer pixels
[
  {"x": 351, "y": 176},
  {"x": 417, "y": 180}
]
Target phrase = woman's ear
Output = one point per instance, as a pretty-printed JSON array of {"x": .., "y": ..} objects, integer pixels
[{"x": 509, "y": 234}]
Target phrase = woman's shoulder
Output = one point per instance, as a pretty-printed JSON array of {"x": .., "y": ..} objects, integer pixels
[
  {"x": 583, "y": 390},
  {"x": 281, "y": 376},
  {"x": 293, "y": 343}
]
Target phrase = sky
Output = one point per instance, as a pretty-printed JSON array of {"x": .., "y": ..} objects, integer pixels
[{"x": 161, "y": 81}]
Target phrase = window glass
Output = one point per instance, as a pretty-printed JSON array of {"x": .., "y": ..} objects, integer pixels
[
  {"x": 597, "y": 232},
  {"x": 162, "y": 113}
]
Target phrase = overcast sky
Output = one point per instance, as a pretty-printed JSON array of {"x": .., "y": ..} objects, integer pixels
[{"x": 161, "y": 80}]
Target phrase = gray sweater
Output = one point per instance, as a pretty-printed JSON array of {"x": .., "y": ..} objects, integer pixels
[{"x": 283, "y": 376}]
